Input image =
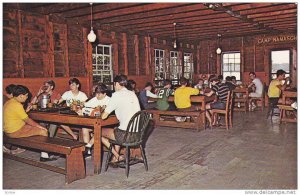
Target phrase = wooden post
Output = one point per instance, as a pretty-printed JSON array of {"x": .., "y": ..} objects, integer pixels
[
  {"x": 49, "y": 68},
  {"x": 198, "y": 59},
  {"x": 147, "y": 55},
  {"x": 66, "y": 51},
  {"x": 88, "y": 60},
  {"x": 219, "y": 64},
  {"x": 20, "y": 65},
  {"x": 136, "y": 55},
  {"x": 124, "y": 40},
  {"x": 115, "y": 53}
]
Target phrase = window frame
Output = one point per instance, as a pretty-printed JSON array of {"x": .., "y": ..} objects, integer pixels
[
  {"x": 288, "y": 74},
  {"x": 191, "y": 62},
  {"x": 234, "y": 64},
  {"x": 96, "y": 67}
]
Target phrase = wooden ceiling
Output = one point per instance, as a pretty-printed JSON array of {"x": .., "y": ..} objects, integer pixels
[{"x": 194, "y": 21}]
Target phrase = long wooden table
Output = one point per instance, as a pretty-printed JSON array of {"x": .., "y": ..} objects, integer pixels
[
  {"x": 95, "y": 123},
  {"x": 196, "y": 100}
]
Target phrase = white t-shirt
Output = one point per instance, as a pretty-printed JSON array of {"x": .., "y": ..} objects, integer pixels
[
  {"x": 69, "y": 97},
  {"x": 125, "y": 104},
  {"x": 258, "y": 85},
  {"x": 94, "y": 102}
]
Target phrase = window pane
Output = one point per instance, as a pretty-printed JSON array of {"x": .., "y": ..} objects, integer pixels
[
  {"x": 280, "y": 60},
  {"x": 106, "y": 50},
  {"x": 231, "y": 65},
  {"x": 102, "y": 64}
]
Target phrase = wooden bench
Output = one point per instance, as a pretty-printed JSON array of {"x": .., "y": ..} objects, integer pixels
[
  {"x": 194, "y": 122},
  {"x": 75, "y": 165}
]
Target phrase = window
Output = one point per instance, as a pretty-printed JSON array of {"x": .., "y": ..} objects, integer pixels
[
  {"x": 175, "y": 67},
  {"x": 231, "y": 64},
  {"x": 102, "y": 65},
  {"x": 188, "y": 66},
  {"x": 160, "y": 67},
  {"x": 280, "y": 60}
]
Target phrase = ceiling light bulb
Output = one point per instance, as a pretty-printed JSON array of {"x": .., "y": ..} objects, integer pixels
[
  {"x": 175, "y": 44},
  {"x": 92, "y": 36},
  {"x": 219, "y": 51}
]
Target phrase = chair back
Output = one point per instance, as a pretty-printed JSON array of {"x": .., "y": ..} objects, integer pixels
[
  {"x": 229, "y": 101},
  {"x": 136, "y": 128}
]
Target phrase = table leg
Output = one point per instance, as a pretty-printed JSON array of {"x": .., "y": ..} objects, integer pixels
[
  {"x": 97, "y": 148},
  {"x": 203, "y": 115}
]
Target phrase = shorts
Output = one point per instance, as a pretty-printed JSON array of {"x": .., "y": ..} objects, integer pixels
[
  {"x": 218, "y": 105},
  {"x": 27, "y": 131},
  {"x": 131, "y": 137}
]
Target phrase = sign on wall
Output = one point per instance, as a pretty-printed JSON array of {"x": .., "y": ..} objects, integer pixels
[{"x": 276, "y": 39}]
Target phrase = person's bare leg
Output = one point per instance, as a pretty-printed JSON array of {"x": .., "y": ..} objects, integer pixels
[
  {"x": 86, "y": 135},
  {"x": 69, "y": 131},
  {"x": 108, "y": 133},
  {"x": 207, "y": 114}
]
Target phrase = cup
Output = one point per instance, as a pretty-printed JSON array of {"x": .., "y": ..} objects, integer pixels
[{"x": 34, "y": 107}]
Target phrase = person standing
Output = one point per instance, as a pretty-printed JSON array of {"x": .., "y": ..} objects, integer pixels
[{"x": 125, "y": 104}]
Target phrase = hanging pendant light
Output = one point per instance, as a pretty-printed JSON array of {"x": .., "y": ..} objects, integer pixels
[
  {"x": 91, "y": 36},
  {"x": 175, "y": 40},
  {"x": 219, "y": 51}
]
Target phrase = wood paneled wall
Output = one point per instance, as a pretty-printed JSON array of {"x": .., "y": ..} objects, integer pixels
[
  {"x": 255, "y": 55},
  {"x": 35, "y": 47}
]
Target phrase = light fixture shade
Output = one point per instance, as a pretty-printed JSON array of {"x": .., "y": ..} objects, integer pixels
[
  {"x": 91, "y": 36},
  {"x": 175, "y": 44},
  {"x": 219, "y": 51}
]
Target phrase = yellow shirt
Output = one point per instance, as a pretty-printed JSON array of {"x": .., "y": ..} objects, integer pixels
[
  {"x": 274, "y": 91},
  {"x": 182, "y": 96},
  {"x": 14, "y": 116}
]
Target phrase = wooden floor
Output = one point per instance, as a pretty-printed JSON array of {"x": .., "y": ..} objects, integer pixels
[{"x": 255, "y": 154}]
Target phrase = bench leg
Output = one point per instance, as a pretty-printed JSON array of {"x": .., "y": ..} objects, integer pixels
[{"x": 75, "y": 167}]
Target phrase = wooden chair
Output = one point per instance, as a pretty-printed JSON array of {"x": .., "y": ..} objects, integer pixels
[
  {"x": 241, "y": 102},
  {"x": 227, "y": 112},
  {"x": 134, "y": 138},
  {"x": 259, "y": 99}
]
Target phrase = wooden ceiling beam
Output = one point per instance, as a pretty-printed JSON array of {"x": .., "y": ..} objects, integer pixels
[
  {"x": 137, "y": 9},
  {"x": 294, "y": 20},
  {"x": 162, "y": 17},
  {"x": 251, "y": 6},
  {"x": 272, "y": 13},
  {"x": 210, "y": 37},
  {"x": 275, "y": 17},
  {"x": 180, "y": 28},
  {"x": 214, "y": 33},
  {"x": 99, "y": 8},
  {"x": 179, "y": 20},
  {"x": 154, "y": 13},
  {"x": 269, "y": 9},
  {"x": 158, "y": 25}
]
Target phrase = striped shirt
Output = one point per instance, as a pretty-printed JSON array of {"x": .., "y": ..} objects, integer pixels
[{"x": 221, "y": 91}]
